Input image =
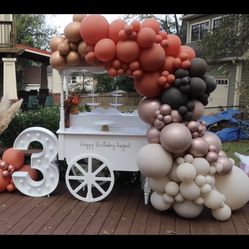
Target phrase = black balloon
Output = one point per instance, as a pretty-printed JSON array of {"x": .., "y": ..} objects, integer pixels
[
  {"x": 180, "y": 73},
  {"x": 183, "y": 110},
  {"x": 174, "y": 97},
  {"x": 198, "y": 67},
  {"x": 178, "y": 82},
  {"x": 210, "y": 83},
  {"x": 190, "y": 105},
  {"x": 188, "y": 116},
  {"x": 197, "y": 86}
]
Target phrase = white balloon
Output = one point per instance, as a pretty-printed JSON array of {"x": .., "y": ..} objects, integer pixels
[
  {"x": 200, "y": 180},
  {"x": 202, "y": 166},
  {"x": 172, "y": 174},
  {"x": 222, "y": 214},
  {"x": 234, "y": 186},
  {"x": 158, "y": 184},
  {"x": 206, "y": 188},
  {"x": 180, "y": 160},
  {"x": 199, "y": 201},
  {"x": 158, "y": 202},
  {"x": 179, "y": 198},
  {"x": 187, "y": 209},
  {"x": 168, "y": 198},
  {"x": 189, "y": 190},
  {"x": 186, "y": 172},
  {"x": 154, "y": 161},
  {"x": 188, "y": 158},
  {"x": 172, "y": 188},
  {"x": 212, "y": 170},
  {"x": 214, "y": 199}
]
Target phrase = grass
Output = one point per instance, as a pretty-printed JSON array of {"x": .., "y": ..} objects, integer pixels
[{"x": 241, "y": 147}]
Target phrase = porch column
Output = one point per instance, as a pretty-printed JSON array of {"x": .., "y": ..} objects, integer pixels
[
  {"x": 237, "y": 83},
  {"x": 9, "y": 78}
]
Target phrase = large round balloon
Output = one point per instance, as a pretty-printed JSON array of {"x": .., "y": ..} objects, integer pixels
[
  {"x": 14, "y": 157},
  {"x": 158, "y": 202},
  {"x": 198, "y": 67},
  {"x": 176, "y": 138},
  {"x": 187, "y": 209},
  {"x": 94, "y": 28},
  {"x": 72, "y": 32},
  {"x": 105, "y": 50},
  {"x": 213, "y": 139},
  {"x": 154, "y": 161},
  {"x": 147, "y": 108},
  {"x": 174, "y": 44},
  {"x": 114, "y": 29},
  {"x": 187, "y": 50},
  {"x": 146, "y": 37},
  {"x": 127, "y": 51},
  {"x": 235, "y": 187},
  {"x": 148, "y": 85},
  {"x": 151, "y": 23}
]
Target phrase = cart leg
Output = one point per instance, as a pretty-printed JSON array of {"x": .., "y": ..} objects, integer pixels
[{"x": 146, "y": 191}]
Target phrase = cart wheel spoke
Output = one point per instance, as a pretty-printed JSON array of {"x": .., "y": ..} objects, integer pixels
[
  {"x": 90, "y": 162},
  {"x": 99, "y": 169},
  {"x": 103, "y": 179},
  {"x": 80, "y": 168},
  {"x": 89, "y": 195},
  {"x": 76, "y": 178},
  {"x": 102, "y": 191},
  {"x": 79, "y": 187}
]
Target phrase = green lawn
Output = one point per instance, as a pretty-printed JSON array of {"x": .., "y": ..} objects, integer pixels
[{"x": 241, "y": 147}]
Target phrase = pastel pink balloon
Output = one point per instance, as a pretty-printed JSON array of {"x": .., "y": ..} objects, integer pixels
[
  {"x": 147, "y": 108},
  {"x": 199, "y": 147},
  {"x": 153, "y": 135},
  {"x": 165, "y": 109},
  {"x": 167, "y": 119},
  {"x": 193, "y": 126}
]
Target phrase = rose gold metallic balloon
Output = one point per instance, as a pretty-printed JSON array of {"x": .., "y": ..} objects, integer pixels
[
  {"x": 227, "y": 165},
  {"x": 160, "y": 117},
  {"x": 198, "y": 110},
  {"x": 212, "y": 157},
  {"x": 159, "y": 124},
  {"x": 147, "y": 108},
  {"x": 199, "y": 147},
  {"x": 193, "y": 126},
  {"x": 175, "y": 138},
  {"x": 222, "y": 153},
  {"x": 153, "y": 135},
  {"x": 176, "y": 117},
  {"x": 213, "y": 139},
  {"x": 165, "y": 109},
  {"x": 167, "y": 119}
]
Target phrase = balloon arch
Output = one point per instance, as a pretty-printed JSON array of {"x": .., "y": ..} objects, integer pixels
[{"x": 186, "y": 166}]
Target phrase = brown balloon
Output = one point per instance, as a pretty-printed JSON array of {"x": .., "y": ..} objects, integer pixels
[
  {"x": 57, "y": 60},
  {"x": 82, "y": 48},
  {"x": 199, "y": 147},
  {"x": 78, "y": 17},
  {"x": 72, "y": 32},
  {"x": 64, "y": 48},
  {"x": 55, "y": 41},
  {"x": 73, "y": 58},
  {"x": 153, "y": 135},
  {"x": 147, "y": 108}
]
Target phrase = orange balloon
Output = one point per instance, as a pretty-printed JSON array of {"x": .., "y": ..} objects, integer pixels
[
  {"x": 14, "y": 157},
  {"x": 158, "y": 39},
  {"x": 127, "y": 51},
  {"x": 163, "y": 34},
  {"x": 112, "y": 72},
  {"x": 33, "y": 173},
  {"x": 169, "y": 64},
  {"x": 162, "y": 80},
  {"x": 187, "y": 50},
  {"x": 122, "y": 35},
  {"x": 174, "y": 44},
  {"x": 105, "y": 50},
  {"x": 134, "y": 65},
  {"x": 4, "y": 181},
  {"x": 114, "y": 29},
  {"x": 148, "y": 85},
  {"x": 151, "y": 23},
  {"x": 186, "y": 64},
  {"x": 152, "y": 58},
  {"x": 136, "y": 25},
  {"x": 116, "y": 64},
  {"x": 94, "y": 28},
  {"x": 146, "y": 37},
  {"x": 137, "y": 73},
  {"x": 171, "y": 78},
  {"x": 10, "y": 187}
]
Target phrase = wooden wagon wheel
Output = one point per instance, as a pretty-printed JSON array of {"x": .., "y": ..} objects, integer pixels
[{"x": 89, "y": 178}]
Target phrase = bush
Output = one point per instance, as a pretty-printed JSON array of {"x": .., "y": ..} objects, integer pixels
[{"x": 47, "y": 117}]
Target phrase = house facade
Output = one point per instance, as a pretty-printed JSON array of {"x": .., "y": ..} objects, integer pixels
[{"x": 230, "y": 72}]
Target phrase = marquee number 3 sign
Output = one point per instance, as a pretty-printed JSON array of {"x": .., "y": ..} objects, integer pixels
[{"x": 42, "y": 161}]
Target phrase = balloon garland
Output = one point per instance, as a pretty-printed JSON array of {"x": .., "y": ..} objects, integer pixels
[{"x": 186, "y": 166}]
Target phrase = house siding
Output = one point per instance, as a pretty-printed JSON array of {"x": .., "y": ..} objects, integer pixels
[{"x": 230, "y": 74}]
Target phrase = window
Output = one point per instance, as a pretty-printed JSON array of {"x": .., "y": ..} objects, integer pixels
[
  {"x": 199, "y": 30},
  {"x": 217, "y": 23},
  {"x": 222, "y": 82}
]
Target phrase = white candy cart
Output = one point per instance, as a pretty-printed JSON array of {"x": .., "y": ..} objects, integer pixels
[{"x": 95, "y": 145}]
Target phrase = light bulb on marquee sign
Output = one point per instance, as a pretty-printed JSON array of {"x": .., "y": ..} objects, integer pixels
[{"x": 42, "y": 161}]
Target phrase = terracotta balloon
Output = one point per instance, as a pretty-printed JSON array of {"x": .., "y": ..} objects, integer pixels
[
  {"x": 33, "y": 173},
  {"x": 78, "y": 17},
  {"x": 148, "y": 85},
  {"x": 4, "y": 181},
  {"x": 174, "y": 44},
  {"x": 105, "y": 50},
  {"x": 57, "y": 60},
  {"x": 188, "y": 51},
  {"x": 94, "y": 28},
  {"x": 152, "y": 58},
  {"x": 72, "y": 32},
  {"x": 213, "y": 139},
  {"x": 151, "y": 23},
  {"x": 136, "y": 25},
  {"x": 175, "y": 138},
  {"x": 199, "y": 147},
  {"x": 55, "y": 41},
  {"x": 14, "y": 157},
  {"x": 127, "y": 51},
  {"x": 114, "y": 29},
  {"x": 169, "y": 64},
  {"x": 147, "y": 108},
  {"x": 198, "y": 110},
  {"x": 146, "y": 37}
]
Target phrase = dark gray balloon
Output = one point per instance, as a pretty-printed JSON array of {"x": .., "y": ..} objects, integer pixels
[
  {"x": 210, "y": 83},
  {"x": 180, "y": 73},
  {"x": 197, "y": 86},
  {"x": 183, "y": 110},
  {"x": 174, "y": 97},
  {"x": 198, "y": 67}
]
